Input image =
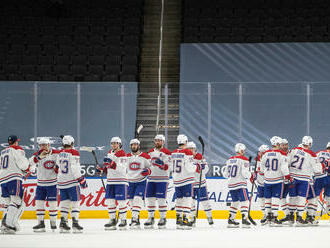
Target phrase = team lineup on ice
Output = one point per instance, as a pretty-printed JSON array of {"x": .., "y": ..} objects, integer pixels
[{"x": 287, "y": 180}]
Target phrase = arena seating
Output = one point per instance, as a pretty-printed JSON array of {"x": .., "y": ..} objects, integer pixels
[
  {"x": 212, "y": 21},
  {"x": 81, "y": 40}
]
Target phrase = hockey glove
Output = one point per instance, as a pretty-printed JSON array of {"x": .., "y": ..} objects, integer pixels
[
  {"x": 109, "y": 163},
  {"x": 290, "y": 180},
  {"x": 56, "y": 169},
  {"x": 83, "y": 183},
  {"x": 198, "y": 168},
  {"x": 253, "y": 177},
  {"x": 146, "y": 172}
]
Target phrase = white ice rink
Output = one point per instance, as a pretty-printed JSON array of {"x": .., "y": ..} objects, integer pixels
[{"x": 202, "y": 236}]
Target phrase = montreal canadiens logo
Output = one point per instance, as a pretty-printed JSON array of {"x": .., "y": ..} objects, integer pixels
[
  {"x": 134, "y": 166},
  {"x": 153, "y": 161},
  {"x": 49, "y": 165}
]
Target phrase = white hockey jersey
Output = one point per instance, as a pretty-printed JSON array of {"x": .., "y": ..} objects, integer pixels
[
  {"x": 69, "y": 170},
  {"x": 324, "y": 158},
  {"x": 260, "y": 176},
  {"x": 183, "y": 167},
  {"x": 237, "y": 171},
  {"x": 303, "y": 164},
  {"x": 13, "y": 164},
  {"x": 119, "y": 174},
  {"x": 198, "y": 158},
  {"x": 46, "y": 175},
  {"x": 136, "y": 164},
  {"x": 274, "y": 166},
  {"x": 157, "y": 174}
]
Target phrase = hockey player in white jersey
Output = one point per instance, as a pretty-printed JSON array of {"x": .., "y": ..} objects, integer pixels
[
  {"x": 183, "y": 179},
  {"x": 158, "y": 182},
  {"x": 237, "y": 172},
  {"x": 320, "y": 182},
  {"x": 69, "y": 182},
  {"x": 13, "y": 166},
  {"x": 274, "y": 166},
  {"x": 45, "y": 160},
  {"x": 202, "y": 194},
  {"x": 115, "y": 167},
  {"x": 303, "y": 164},
  {"x": 284, "y": 146},
  {"x": 138, "y": 171},
  {"x": 324, "y": 157},
  {"x": 260, "y": 182}
]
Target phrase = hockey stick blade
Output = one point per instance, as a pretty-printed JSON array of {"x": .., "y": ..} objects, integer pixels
[
  {"x": 87, "y": 148},
  {"x": 139, "y": 129},
  {"x": 202, "y": 143}
]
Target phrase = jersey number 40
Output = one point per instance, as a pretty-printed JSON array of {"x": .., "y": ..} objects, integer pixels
[
  {"x": 4, "y": 162},
  {"x": 271, "y": 164}
]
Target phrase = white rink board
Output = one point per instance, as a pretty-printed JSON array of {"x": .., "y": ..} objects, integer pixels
[{"x": 93, "y": 196}]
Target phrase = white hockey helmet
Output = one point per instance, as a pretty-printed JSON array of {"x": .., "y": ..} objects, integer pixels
[
  {"x": 307, "y": 141},
  {"x": 284, "y": 141},
  {"x": 275, "y": 140},
  {"x": 239, "y": 147},
  {"x": 67, "y": 140},
  {"x": 191, "y": 145},
  {"x": 115, "y": 140},
  {"x": 328, "y": 145},
  {"x": 182, "y": 139},
  {"x": 43, "y": 141},
  {"x": 160, "y": 137},
  {"x": 134, "y": 141},
  {"x": 263, "y": 148}
]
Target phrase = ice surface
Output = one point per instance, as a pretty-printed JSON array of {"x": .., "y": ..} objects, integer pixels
[{"x": 202, "y": 236}]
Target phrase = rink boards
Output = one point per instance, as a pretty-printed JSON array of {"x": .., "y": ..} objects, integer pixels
[{"x": 93, "y": 203}]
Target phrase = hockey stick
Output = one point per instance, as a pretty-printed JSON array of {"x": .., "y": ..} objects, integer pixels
[
  {"x": 92, "y": 150},
  {"x": 322, "y": 207},
  {"x": 200, "y": 176},
  {"x": 138, "y": 131},
  {"x": 252, "y": 189}
]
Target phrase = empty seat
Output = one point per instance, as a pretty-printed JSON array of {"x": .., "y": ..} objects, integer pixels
[
  {"x": 129, "y": 69},
  {"x": 110, "y": 78},
  {"x": 66, "y": 49},
  {"x": 44, "y": 69},
  {"x": 79, "y": 60},
  {"x": 99, "y": 50},
  {"x": 46, "y": 59},
  {"x": 61, "y": 69},
  {"x": 32, "y": 77},
  {"x": 30, "y": 60},
  {"x": 49, "y": 77},
  {"x": 92, "y": 78},
  {"x": 17, "y": 49},
  {"x": 128, "y": 78},
  {"x": 130, "y": 60},
  {"x": 78, "y": 69},
  {"x": 96, "y": 40},
  {"x": 50, "y": 50},
  {"x": 65, "y": 78},
  {"x": 96, "y": 60},
  {"x": 96, "y": 69},
  {"x": 33, "y": 49},
  {"x": 62, "y": 60},
  {"x": 113, "y": 60},
  {"x": 112, "y": 69}
]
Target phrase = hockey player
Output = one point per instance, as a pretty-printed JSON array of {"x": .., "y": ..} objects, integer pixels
[
  {"x": 13, "y": 166},
  {"x": 45, "y": 161},
  {"x": 320, "y": 183},
  {"x": 237, "y": 172},
  {"x": 183, "y": 179},
  {"x": 115, "y": 167},
  {"x": 274, "y": 166},
  {"x": 284, "y": 146},
  {"x": 69, "y": 178},
  {"x": 158, "y": 182},
  {"x": 260, "y": 182},
  {"x": 303, "y": 164},
  {"x": 326, "y": 155},
  {"x": 138, "y": 171},
  {"x": 202, "y": 194}
]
